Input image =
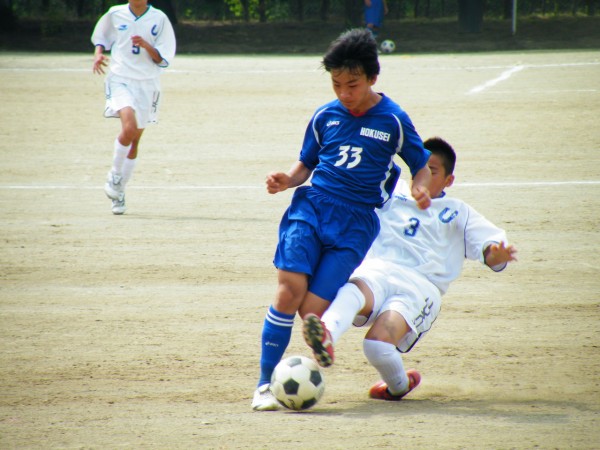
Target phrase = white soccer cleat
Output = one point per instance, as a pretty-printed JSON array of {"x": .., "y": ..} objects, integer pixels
[
  {"x": 264, "y": 400},
  {"x": 118, "y": 205},
  {"x": 113, "y": 187}
]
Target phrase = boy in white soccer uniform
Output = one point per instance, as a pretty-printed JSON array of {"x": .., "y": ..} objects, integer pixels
[
  {"x": 142, "y": 42},
  {"x": 397, "y": 289}
]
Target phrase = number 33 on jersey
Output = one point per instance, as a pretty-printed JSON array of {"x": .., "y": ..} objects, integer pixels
[{"x": 353, "y": 157}]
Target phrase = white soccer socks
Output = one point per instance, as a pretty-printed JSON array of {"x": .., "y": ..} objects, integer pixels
[
  {"x": 388, "y": 362},
  {"x": 119, "y": 155},
  {"x": 340, "y": 314},
  {"x": 127, "y": 170}
]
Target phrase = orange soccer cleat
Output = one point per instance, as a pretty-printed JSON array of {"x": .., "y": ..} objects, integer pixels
[{"x": 380, "y": 390}]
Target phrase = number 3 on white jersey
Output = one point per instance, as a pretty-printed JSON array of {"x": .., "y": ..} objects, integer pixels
[{"x": 354, "y": 158}]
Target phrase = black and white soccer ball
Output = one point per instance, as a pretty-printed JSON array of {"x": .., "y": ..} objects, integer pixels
[
  {"x": 297, "y": 383},
  {"x": 387, "y": 46}
]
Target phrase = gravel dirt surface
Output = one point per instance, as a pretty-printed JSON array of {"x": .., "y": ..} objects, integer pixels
[{"x": 142, "y": 330}]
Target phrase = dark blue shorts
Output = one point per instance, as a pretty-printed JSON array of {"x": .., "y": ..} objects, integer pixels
[
  {"x": 324, "y": 238},
  {"x": 375, "y": 13}
]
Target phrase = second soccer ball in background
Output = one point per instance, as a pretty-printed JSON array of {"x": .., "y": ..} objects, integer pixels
[{"x": 387, "y": 46}]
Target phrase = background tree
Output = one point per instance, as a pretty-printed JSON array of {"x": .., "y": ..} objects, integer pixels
[
  {"x": 165, "y": 6},
  {"x": 8, "y": 19},
  {"x": 348, "y": 12}
]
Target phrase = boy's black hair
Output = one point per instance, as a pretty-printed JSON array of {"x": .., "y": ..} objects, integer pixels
[
  {"x": 354, "y": 50},
  {"x": 446, "y": 153}
]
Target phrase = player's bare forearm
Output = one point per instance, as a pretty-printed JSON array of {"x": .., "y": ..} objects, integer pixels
[
  {"x": 141, "y": 42},
  {"x": 420, "y": 190},
  {"x": 100, "y": 60},
  {"x": 501, "y": 253},
  {"x": 280, "y": 181},
  {"x": 277, "y": 182}
]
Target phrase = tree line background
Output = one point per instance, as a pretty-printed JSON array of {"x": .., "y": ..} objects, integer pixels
[{"x": 349, "y": 11}]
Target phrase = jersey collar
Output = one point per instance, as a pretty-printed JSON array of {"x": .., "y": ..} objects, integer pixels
[{"x": 137, "y": 17}]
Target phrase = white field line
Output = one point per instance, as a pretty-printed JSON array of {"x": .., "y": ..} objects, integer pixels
[
  {"x": 42, "y": 69},
  {"x": 158, "y": 188},
  {"x": 242, "y": 187},
  {"x": 512, "y": 70},
  {"x": 543, "y": 91},
  {"x": 526, "y": 66},
  {"x": 527, "y": 183},
  {"x": 167, "y": 71},
  {"x": 264, "y": 71},
  {"x": 503, "y": 76}
]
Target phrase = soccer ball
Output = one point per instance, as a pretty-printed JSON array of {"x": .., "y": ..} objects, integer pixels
[
  {"x": 297, "y": 383},
  {"x": 387, "y": 46}
]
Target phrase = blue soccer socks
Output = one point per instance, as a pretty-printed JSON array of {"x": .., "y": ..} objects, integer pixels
[{"x": 276, "y": 335}]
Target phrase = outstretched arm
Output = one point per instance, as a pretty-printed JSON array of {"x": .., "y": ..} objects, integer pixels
[
  {"x": 100, "y": 60},
  {"x": 280, "y": 181},
  {"x": 499, "y": 254}
]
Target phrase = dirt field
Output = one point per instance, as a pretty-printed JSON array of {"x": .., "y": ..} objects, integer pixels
[{"x": 142, "y": 331}]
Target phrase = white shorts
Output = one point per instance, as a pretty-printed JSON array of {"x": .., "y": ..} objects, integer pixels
[
  {"x": 402, "y": 290},
  {"x": 141, "y": 95}
]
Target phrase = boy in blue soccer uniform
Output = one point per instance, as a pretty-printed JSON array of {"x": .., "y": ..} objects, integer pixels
[{"x": 325, "y": 233}]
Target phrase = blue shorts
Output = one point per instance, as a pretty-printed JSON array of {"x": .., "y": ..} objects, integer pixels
[
  {"x": 324, "y": 238},
  {"x": 374, "y": 14}
]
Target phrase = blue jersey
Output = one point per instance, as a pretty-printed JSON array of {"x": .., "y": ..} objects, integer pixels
[{"x": 352, "y": 157}]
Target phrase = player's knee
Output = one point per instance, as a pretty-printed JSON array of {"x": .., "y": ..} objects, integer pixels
[
  {"x": 389, "y": 327},
  {"x": 314, "y": 305},
  {"x": 288, "y": 298},
  {"x": 376, "y": 333},
  {"x": 130, "y": 132}
]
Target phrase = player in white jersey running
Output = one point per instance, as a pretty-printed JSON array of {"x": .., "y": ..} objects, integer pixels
[
  {"x": 141, "y": 42},
  {"x": 397, "y": 290},
  {"x": 348, "y": 153}
]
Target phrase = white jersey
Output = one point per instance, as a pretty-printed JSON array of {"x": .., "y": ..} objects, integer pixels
[
  {"x": 114, "y": 31},
  {"x": 434, "y": 242}
]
